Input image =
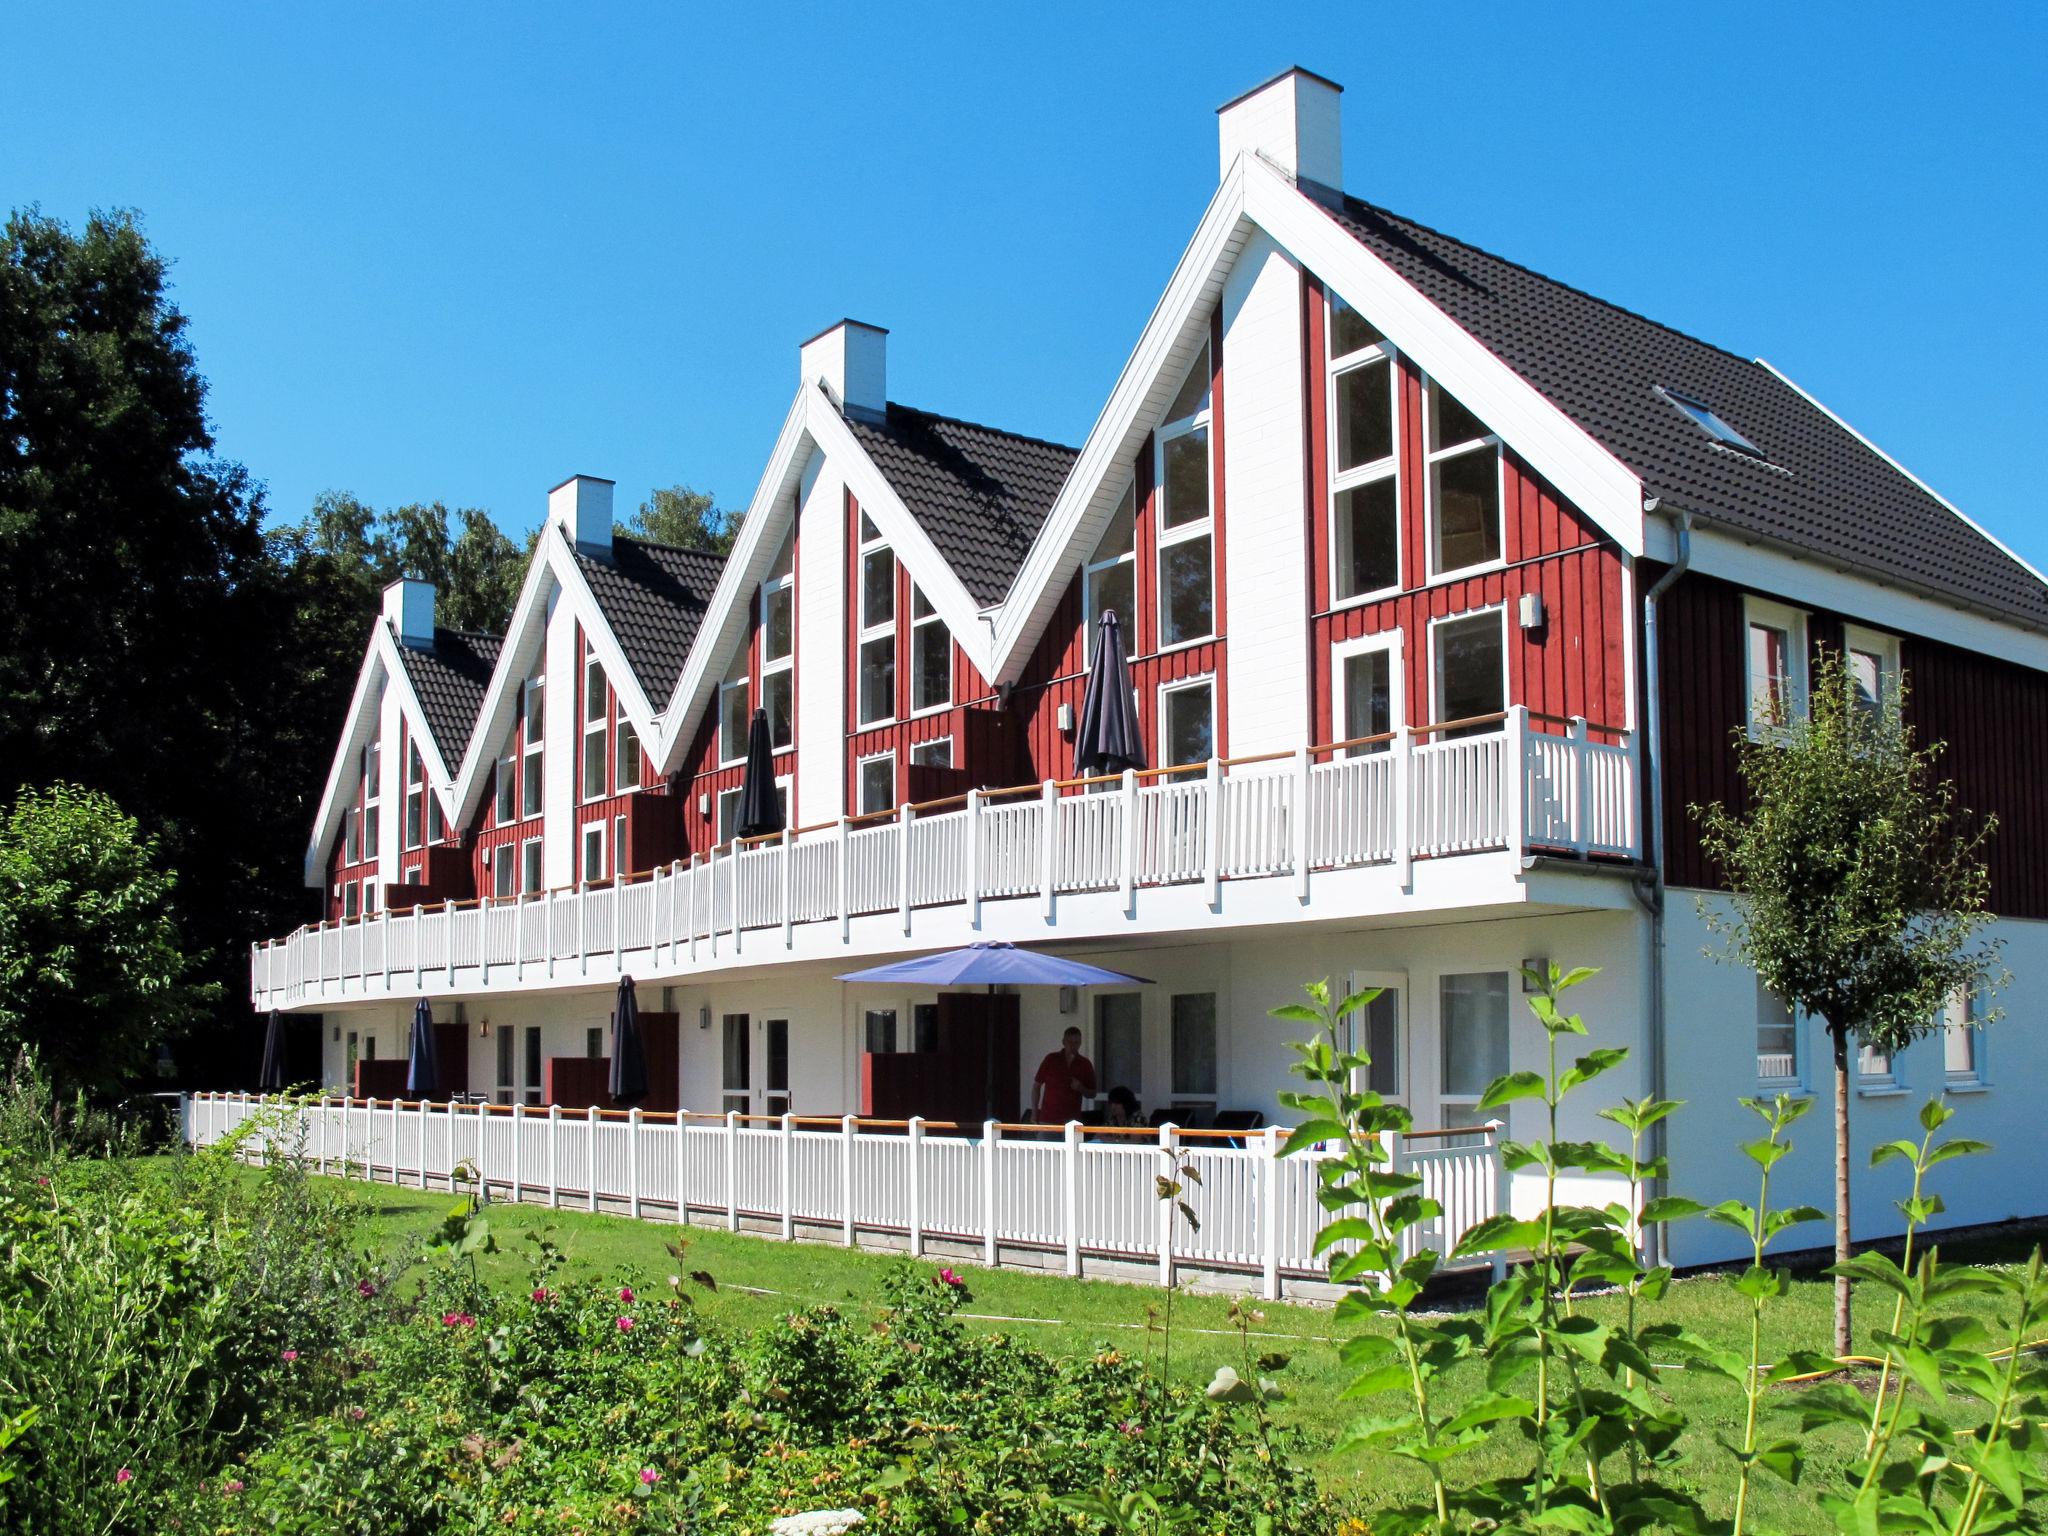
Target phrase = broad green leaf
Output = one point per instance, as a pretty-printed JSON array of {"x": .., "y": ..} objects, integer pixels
[
  {"x": 1670, "y": 1208},
  {"x": 1516, "y": 1085}
]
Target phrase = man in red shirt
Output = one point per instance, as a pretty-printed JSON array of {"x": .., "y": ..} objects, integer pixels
[{"x": 1064, "y": 1078}]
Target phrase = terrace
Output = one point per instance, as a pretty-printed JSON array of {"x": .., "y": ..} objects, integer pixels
[{"x": 1430, "y": 818}]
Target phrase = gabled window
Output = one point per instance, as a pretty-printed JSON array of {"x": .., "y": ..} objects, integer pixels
[
  {"x": 415, "y": 811},
  {"x": 505, "y": 807},
  {"x": 1365, "y": 492},
  {"x": 1109, "y": 580},
  {"x": 532, "y": 763},
  {"x": 1709, "y": 421},
  {"x": 931, "y": 657},
  {"x": 626, "y": 757},
  {"x": 1187, "y": 599},
  {"x": 1775, "y": 660},
  {"x": 778, "y": 647},
  {"x": 352, "y": 835},
  {"x": 1468, "y": 669},
  {"x": 1464, "y": 486},
  {"x": 596, "y": 716},
  {"x": 373, "y": 795},
  {"x": 733, "y": 713},
  {"x": 876, "y": 685}
]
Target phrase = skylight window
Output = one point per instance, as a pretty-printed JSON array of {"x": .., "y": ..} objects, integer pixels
[{"x": 1707, "y": 421}]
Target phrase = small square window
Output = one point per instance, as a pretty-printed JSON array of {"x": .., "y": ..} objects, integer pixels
[{"x": 1710, "y": 422}]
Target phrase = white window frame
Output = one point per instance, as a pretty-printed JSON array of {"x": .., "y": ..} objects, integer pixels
[
  {"x": 1356, "y": 1029},
  {"x": 723, "y": 834},
  {"x": 413, "y": 825},
  {"x": 1884, "y": 647},
  {"x": 1877, "y": 1072},
  {"x": 779, "y": 665},
  {"x": 1165, "y": 538},
  {"x": 504, "y": 870},
  {"x": 1206, "y": 682},
  {"x": 1433, "y": 457},
  {"x": 1388, "y": 468},
  {"x": 373, "y": 791},
  {"x": 351, "y": 901},
  {"x": 1762, "y": 611},
  {"x": 1960, "y": 1013},
  {"x": 598, "y": 726},
  {"x": 737, "y": 678},
  {"x": 860, "y": 778},
  {"x": 369, "y": 895},
  {"x": 1388, "y": 641},
  {"x": 505, "y": 792},
  {"x": 1796, "y": 1078},
  {"x": 918, "y": 749},
  {"x": 589, "y": 832},
  {"x": 1448, "y": 1101},
  {"x": 1090, "y": 614},
  {"x": 928, "y": 621},
  {"x": 533, "y": 764},
  {"x": 1436, "y": 676},
  {"x": 872, "y": 631},
  {"x": 534, "y": 863},
  {"x": 625, "y": 783}
]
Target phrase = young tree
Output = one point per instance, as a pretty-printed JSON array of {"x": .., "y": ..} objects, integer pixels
[
  {"x": 93, "y": 975},
  {"x": 1859, "y": 885},
  {"x": 684, "y": 519}
]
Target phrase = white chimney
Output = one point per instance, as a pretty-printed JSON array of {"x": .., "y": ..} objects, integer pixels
[
  {"x": 851, "y": 359},
  {"x": 582, "y": 505},
  {"x": 409, "y": 605},
  {"x": 1294, "y": 120}
]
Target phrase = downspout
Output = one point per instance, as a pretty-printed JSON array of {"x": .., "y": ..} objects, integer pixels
[{"x": 1650, "y": 888}]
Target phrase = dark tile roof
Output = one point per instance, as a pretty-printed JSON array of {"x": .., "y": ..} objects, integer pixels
[
  {"x": 1822, "y": 490},
  {"x": 654, "y": 598},
  {"x": 450, "y": 681},
  {"x": 981, "y": 494}
]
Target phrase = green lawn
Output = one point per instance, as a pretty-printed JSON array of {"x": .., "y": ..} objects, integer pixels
[{"x": 759, "y": 1279}]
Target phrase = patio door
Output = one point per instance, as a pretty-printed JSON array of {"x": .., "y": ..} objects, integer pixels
[
  {"x": 1380, "y": 1031},
  {"x": 755, "y": 1064}
]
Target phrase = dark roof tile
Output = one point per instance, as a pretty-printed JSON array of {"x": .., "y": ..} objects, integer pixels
[
  {"x": 450, "y": 681},
  {"x": 653, "y": 597}
]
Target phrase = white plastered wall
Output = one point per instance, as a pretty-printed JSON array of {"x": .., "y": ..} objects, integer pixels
[
  {"x": 558, "y": 792},
  {"x": 1711, "y": 1018},
  {"x": 1265, "y": 545},
  {"x": 821, "y": 643}
]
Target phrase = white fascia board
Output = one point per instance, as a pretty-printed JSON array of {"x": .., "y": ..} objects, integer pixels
[
  {"x": 415, "y": 716},
  {"x": 1810, "y": 582},
  {"x": 523, "y": 638},
  {"x": 1585, "y": 474},
  {"x": 583, "y": 603},
  {"x": 761, "y": 530},
  {"x": 2017, "y": 558},
  {"x": 328, "y": 819},
  {"x": 1096, "y": 482},
  {"x": 906, "y": 535}
]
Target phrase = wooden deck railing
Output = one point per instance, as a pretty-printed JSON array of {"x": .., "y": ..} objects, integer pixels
[{"x": 1454, "y": 787}]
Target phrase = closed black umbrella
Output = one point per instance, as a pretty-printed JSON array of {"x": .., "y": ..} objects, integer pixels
[
  {"x": 629, "y": 1051},
  {"x": 423, "y": 1072},
  {"x": 760, "y": 805},
  {"x": 271, "y": 1079},
  {"x": 1109, "y": 740}
]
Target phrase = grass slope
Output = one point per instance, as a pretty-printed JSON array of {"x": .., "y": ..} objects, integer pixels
[{"x": 760, "y": 1279}]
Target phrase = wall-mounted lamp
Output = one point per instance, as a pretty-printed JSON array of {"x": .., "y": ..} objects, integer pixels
[
  {"x": 1066, "y": 719},
  {"x": 703, "y": 805},
  {"x": 704, "y": 1016},
  {"x": 1531, "y": 610},
  {"x": 1070, "y": 999}
]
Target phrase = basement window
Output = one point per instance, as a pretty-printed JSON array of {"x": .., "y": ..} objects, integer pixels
[{"x": 1709, "y": 421}]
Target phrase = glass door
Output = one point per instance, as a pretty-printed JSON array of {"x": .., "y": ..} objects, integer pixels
[
  {"x": 738, "y": 1076},
  {"x": 1379, "y": 1031},
  {"x": 773, "y": 1094},
  {"x": 756, "y": 1076}
]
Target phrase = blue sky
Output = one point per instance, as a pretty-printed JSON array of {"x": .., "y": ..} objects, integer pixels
[{"x": 461, "y": 252}]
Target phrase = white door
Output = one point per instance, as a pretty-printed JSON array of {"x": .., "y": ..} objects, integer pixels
[
  {"x": 1380, "y": 1031},
  {"x": 756, "y": 1063}
]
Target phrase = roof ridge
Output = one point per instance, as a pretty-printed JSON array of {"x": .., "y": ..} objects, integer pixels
[
  {"x": 466, "y": 634},
  {"x": 982, "y": 426},
  {"x": 1556, "y": 282},
  {"x": 680, "y": 549}
]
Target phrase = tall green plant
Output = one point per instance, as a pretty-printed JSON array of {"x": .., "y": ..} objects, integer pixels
[{"x": 1859, "y": 885}]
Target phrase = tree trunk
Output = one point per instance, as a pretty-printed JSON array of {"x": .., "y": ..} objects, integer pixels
[{"x": 1839, "y": 1034}]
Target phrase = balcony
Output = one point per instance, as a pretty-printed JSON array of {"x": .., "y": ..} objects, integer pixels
[{"x": 1432, "y": 817}]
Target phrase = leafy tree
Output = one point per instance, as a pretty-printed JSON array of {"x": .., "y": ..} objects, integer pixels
[
  {"x": 92, "y": 971},
  {"x": 684, "y": 519},
  {"x": 1859, "y": 887},
  {"x": 483, "y": 575}
]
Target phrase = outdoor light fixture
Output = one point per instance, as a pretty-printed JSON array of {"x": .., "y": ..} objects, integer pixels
[
  {"x": 1531, "y": 606},
  {"x": 704, "y": 1016},
  {"x": 1070, "y": 999},
  {"x": 1066, "y": 719}
]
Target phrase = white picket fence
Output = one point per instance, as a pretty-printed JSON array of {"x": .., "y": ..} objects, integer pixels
[
  {"x": 1409, "y": 797},
  {"x": 1023, "y": 1194}
]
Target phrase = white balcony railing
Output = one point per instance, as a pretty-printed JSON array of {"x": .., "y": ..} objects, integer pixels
[
  {"x": 1497, "y": 783},
  {"x": 1029, "y": 1194}
]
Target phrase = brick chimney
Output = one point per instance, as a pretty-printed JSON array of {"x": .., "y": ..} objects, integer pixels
[
  {"x": 1294, "y": 120},
  {"x": 851, "y": 358}
]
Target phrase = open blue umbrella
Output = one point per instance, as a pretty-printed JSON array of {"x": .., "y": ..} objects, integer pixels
[
  {"x": 1109, "y": 739},
  {"x": 629, "y": 1051},
  {"x": 760, "y": 812},
  {"x": 423, "y": 1071},
  {"x": 271, "y": 1078},
  {"x": 995, "y": 964}
]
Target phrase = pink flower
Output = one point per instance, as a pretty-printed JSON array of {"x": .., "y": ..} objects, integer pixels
[
  {"x": 358, "y": 1413},
  {"x": 626, "y": 1294},
  {"x": 288, "y": 1355},
  {"x": 542, "y": 1294},
  {"x": 124, "y": 1476},
  {"x": 649, "y": 1477},
  {"x": 947, "y": 1277},
  {"x": 457, "y": 1320},
  {"x": 625, "y": 1325},
  {"x": 232, "y": 1485},
  {"x": 365, "y": 1289}
]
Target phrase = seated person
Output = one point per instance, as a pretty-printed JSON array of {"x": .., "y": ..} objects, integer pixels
[{"x": 1121, "y": 1107}]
